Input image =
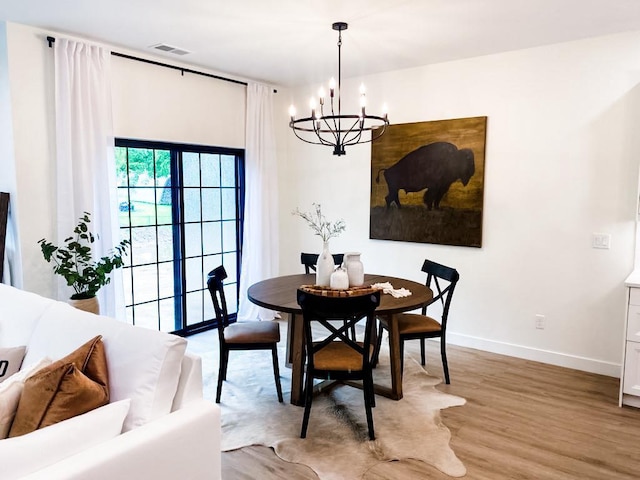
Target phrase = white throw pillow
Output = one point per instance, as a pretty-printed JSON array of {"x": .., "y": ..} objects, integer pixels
[
  {"x": 10, "y": 392},
  {"x": 34, "y": 451},
  {"x": 10, "y": 360}
]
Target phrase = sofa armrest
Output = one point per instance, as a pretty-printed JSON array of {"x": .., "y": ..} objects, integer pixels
[{"x": 182, "y": 444}]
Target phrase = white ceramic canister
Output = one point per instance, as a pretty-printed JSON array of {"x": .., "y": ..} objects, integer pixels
[
  {"x": 355, "y": 269},
  {"x": 339, "y": 279}
]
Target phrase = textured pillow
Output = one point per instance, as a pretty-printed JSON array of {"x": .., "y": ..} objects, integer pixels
[
  {"x": 10, "y": 361},
  {"x": 68, "y": 387},
  {"x": 10, "y": 392},
  {"x": 29, "y": 453}
]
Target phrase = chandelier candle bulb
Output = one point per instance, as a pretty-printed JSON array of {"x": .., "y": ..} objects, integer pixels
[
  {"x": 292, "y": 112},
  {"x": 332, "y": 86}
]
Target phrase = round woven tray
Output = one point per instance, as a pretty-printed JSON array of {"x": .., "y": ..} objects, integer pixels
[{"x": 329, "y": 292}]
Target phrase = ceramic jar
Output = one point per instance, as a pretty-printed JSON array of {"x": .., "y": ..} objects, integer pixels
[
  {"x": 324, "y": 267},
  {"x": 339, "y": 279},
  {"x": 355, "y": 269}
]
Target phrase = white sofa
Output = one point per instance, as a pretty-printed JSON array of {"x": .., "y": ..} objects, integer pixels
[{"x": 169, "y": 431}]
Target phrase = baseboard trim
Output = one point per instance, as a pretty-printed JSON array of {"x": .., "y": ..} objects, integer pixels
[{"x": 585, "y": 364}]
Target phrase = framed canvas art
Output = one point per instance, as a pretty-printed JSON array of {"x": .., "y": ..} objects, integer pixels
[{"x": 427, "y": 182}]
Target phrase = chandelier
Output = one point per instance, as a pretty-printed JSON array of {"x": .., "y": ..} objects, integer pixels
[{"x": 330, "y": 127}]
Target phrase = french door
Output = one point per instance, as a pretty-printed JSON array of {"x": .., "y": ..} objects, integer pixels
[{"x": 181, "y": 206}]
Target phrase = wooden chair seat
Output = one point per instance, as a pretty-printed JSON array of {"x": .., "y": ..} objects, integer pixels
[
  {"x": 412, "y": 323},
  {"x": 252, "y": 332}
]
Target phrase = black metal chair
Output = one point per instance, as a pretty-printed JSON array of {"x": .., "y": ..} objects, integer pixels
[
  {"x": 442, "y": 280},
  {"x": 330, "y": 353},
  {"x": 240, "y": 335},
  {"x": 310, "y": 260}
]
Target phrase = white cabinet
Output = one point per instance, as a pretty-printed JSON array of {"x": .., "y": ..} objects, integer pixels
[{"x": 630, "y": 379}]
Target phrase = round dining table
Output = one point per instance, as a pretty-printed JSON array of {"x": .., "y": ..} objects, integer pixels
[{"x": 280, "y": 294}]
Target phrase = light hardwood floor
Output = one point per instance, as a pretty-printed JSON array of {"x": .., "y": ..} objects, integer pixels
[{"x": 522, "y": 420}]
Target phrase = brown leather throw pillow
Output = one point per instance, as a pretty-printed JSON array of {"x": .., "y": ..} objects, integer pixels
[{"x": 68, "y": 387}]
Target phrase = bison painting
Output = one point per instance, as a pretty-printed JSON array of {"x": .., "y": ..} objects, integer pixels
[{"x": 433, "y": 167}]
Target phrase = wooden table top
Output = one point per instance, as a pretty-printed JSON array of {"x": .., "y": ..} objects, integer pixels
[{"x": 279, "y": 293}]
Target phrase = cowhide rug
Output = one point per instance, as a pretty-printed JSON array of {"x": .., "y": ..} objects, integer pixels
[{"x": 337, "y": 444}]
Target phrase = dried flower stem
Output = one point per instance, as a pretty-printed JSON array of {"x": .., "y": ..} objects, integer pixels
[{"x": 320, "y": 225}]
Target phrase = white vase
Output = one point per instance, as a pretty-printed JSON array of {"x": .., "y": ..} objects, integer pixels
[
  {"x": 355, "y": 269},
  {"x": 324, "y": 267},
  {"x": 339, "y": 279}
]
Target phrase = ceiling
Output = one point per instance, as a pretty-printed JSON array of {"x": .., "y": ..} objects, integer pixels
[{"x": 291, "y": 43}]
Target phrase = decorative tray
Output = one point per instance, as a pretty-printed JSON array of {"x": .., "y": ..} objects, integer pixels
[{"x": 330, "y": 292}]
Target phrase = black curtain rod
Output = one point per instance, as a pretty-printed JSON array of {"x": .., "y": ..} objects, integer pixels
[{"x": 160, "y": 64}]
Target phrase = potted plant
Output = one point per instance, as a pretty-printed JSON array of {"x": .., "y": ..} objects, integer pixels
[{"x": 74, "y": 261}]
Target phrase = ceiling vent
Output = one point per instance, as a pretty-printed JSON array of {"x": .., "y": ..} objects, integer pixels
[{"x": 163, "y": 47}]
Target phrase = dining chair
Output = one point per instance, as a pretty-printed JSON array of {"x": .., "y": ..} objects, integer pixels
[
  {"x": 252, "y": 335},
  {"x": 442, "y": 281},
  {"x": 310, "y": 260},
  {"x": 330, "y": 353}
]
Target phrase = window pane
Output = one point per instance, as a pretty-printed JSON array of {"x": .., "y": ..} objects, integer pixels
[
  {"x": 228, "y": 204},
  {"x": 193, "y": 240},
  {"x": 210, "y": 170},
  {"x": 228, "y": 170},
  {"x": 143, "y": 245},
  {"x": 212, "y": 238},
  {"x": 165, "y": 280},
  {"x": 145, "y": 283},
  {"x": 209, "y": 312},
  {"x": 167, "y": 315},
  {"x": 165, "y": 244},
  {"x": 140, "y": 166},
  {"x": 193, "y": 273},
  {"x": 191, "y": 205},
  {"x": 163, "y": 206},
  {"x": 163, "y": 168},
  {"x": 146, "y": 315},
  {"x": 195, "y": 307},
  {"x": 191, "y": 169},
  {"x": 228, "y": 236},
  {"x": 211, "y": 204}
]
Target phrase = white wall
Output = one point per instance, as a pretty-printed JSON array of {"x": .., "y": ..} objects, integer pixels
[
  {"x": 149, "y": 103},
  {"x": 561, "y": 164}
]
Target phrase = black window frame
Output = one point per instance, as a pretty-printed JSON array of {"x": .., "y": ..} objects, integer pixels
[{"x": 178, "y": 222}]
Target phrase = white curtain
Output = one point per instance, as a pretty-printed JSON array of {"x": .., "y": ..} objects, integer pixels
[
  {"x": 85, "y": 164},
  {"x": 260, "y": 239}
]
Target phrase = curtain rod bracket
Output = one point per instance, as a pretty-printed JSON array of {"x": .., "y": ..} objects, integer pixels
[{"x": 51, "y": 40}]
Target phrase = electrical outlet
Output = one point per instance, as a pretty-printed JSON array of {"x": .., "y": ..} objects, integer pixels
[
  {"x": 601, "y": 240},
  {"x": 540, "y": 322}
]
